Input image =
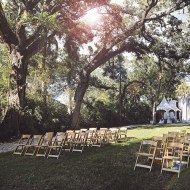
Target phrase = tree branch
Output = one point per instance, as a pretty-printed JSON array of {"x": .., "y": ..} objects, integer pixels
[
  {"x": 173, "y": 9},
  {"x": 36, "y": 45},
  {"x": 7, "y": 34}
]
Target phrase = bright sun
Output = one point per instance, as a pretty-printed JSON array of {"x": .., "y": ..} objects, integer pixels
[
  {"x": 119, "y": 2},
  {"x": 92, "y": 17}
]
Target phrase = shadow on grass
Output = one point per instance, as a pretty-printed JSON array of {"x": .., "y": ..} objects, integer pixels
[{"x": 109, "y": 167}]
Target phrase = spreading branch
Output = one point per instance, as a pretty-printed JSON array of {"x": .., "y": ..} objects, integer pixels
[{"x": 8, "y": 35}]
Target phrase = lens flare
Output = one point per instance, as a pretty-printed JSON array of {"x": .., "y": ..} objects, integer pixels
[{"x": 92, "y": 17}]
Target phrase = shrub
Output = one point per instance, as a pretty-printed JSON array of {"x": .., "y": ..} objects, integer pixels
[{"x": 39, "y": 118}]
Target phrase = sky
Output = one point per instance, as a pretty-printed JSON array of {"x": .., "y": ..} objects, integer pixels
[
  {"x": 119, "y": 2},
  {"x": 181, "y": 15}
]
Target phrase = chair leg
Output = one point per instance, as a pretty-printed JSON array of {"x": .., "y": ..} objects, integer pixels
[
  {"x": 151, "y": 164},
  {"x": 163, "y": 160},
  {"x": 136, "y": 162}
]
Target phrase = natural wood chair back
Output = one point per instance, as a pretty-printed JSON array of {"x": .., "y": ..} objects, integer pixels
[
  {"x": 122, "y": 134},
  {"x": 42, "y": 148},
  {"x": 112, "y": 135},
  {"x": 172, "y": 159},
  {"x": 57, "y": 145},
  {"x": 20, "y": 148},
  {"x": 92, "y": 129},
  {"x": 171, "y": 137},
  {"x": 181, "y": 133},
  {"x": 186, "y": 150},
  {"x": 99, "y": 138},
  {"x": 161, "y": 143},
  {"x": 79, "y": 142},
  {"x": 31, "y": 148},
  {"x": 70, "y": 138},
  {"x": 146, "y": 154}
]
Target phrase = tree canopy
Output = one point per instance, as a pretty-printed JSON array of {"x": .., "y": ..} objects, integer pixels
[{"x": 56, "y": 46}]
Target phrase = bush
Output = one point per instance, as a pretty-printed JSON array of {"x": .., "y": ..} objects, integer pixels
[
  {"x": 99, "y": 114},
  {"x": 139, "y": 113},
  {"x": 39, "y": 118}
]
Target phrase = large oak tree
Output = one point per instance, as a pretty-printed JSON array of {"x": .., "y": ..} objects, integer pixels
[
  {"x": 26, "y": 26},
  {"x": 120, "y": 31}
]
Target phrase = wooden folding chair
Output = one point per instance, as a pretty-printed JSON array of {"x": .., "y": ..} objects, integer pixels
[
  {"x": 99, "y": 138},
  {"x": 42, "y": 148},
  {"x": 57, "y": 145},
  {"x": 92, "y": 129},
  {"x": 187, "y": 136},
  {"x": 186, "y": 151},
  {"x": 113, "y": 135},
  {"x": 31, "y": 148},
  {"x": 173, "y": 162},
  {"x": 20, "y": 148},
  {"x": 79, "y": 142},
  {"x": 181, "y": 133},
  {"x": 146, "y": 151},
  {"x": 122, "y": 136},
  {"x": 69, "y": 140},
  {"x": 103, "y": 128},
  {"x": 83, "y": 130},
  {"x": 91, "y": 133},
  {"x": 161, "y": 143},
  {"x": 106, "y": 131},
  {"x": 171, "y": 137}
]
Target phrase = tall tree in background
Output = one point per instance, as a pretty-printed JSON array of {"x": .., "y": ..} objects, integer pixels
[
  {"x": 25, "y": 26},
  {"x": 4, "y": 82},
  {"x": 119, "y": 32}
]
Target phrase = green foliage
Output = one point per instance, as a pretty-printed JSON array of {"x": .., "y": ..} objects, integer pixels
[
  {"x": 39, "y": 118},
  {"x": 40, "y": 16},
  {"x": 44, "y": 19},
  {"x": 98, "y": 114},
  {"x": 115, "y": 70},
  {"x": 138, "y": 113},
  {"x": 4, "y": 76},
  {"x": 101, "y": 109},
  {"x": 183, "y": 89},
  {"x": 147, "y": 70}
]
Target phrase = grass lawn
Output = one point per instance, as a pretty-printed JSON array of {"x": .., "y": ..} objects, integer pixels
[{"x": 109, "y": 167}]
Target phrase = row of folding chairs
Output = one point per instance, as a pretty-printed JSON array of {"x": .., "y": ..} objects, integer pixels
[
  {"x": 108, "y": 135},
  {"x": 49, "y": 145},
  {"x": 172, "y": 150}
]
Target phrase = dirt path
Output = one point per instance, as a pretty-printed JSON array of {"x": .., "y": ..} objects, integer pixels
[{"x": 7, "y": 146}]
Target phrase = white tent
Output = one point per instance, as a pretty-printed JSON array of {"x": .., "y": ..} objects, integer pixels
[
  {"x": 164, "y": 105},
  {"x": 170, "y": 109},
  {"x": 173, "y": 105}
]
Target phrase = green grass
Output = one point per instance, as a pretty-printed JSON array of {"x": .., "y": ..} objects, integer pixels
[{"x": 109, "y": 167}]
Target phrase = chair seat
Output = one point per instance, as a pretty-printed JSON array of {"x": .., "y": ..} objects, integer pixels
[
  {"x": 171, "y": 157},
  {"x": 144, "y": 154}
]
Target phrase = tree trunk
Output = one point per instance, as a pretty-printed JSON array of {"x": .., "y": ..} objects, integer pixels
[
  {"x": 43, "y": 82},
  {"x": 154, "y": 114},
  {"x": 70, "y": 99},
  {"x": 157, "y": 96},
  {"x": 79, "y": 94},
  {"x": 16, "y": 96}
]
